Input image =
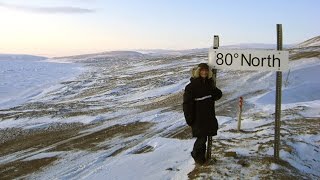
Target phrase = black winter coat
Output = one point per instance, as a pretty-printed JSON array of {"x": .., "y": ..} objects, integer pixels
[{"x": 199, "y": 106}]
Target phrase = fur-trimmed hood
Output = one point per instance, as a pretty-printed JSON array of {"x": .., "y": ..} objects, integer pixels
[{"x": 195, "y": 73}]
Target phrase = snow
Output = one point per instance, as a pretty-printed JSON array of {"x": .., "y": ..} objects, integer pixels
[
  {"x": 304, "y": 154},
  {"x": 310, "y": 42},
  {"x": 312, "y": 109},
  {"x": 302, "y": 92},
  {"x": 274, "y": 166},
  {"x": 164, "y": 90},
  {"x": 170, "y": 158},
  {"x": 303, "y": 86},
  {"x": 43, "y": 122},
  {"x": 167, "y": 154},
  {"x": 21, "y": 81},
  {"x": 317, "y": 43}
]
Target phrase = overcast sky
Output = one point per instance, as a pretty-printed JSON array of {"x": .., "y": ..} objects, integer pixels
[{"x": 61, "y": 27}]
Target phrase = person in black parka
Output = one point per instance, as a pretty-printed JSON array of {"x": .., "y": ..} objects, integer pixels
[{"x": 199, "y": 109}]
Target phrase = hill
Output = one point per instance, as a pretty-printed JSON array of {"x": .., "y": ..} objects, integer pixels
[
  {"x": 23, "y": 57},
  {"x": 315, "y": 41}
]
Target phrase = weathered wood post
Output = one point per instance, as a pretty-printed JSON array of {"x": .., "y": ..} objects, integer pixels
[{"x": 214, "y": 80}]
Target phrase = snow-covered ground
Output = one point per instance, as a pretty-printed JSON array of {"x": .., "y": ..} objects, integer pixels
[
  {"x": 170, "y": 158},
  {"x": 23, "y": 80},
  {"x": 310, "y": 42},
  {"x": 124, "y": 92},
  {"x": 300, "y": 84}
]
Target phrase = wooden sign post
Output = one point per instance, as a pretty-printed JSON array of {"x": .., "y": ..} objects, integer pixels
[
  {"x": 253, "y": 60},
  {"x": 214, "y": 80}
]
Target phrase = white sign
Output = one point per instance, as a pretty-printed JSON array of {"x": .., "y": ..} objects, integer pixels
[{"x": 257, "y": 60}]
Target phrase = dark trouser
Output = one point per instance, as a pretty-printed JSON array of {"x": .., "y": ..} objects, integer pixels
[{"x": 199, "y": 149}]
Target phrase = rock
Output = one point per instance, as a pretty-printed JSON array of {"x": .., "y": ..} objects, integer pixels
[
  {"x": 244, "y": 163},
  {"x": 230, "y": 154},
  {"x": 173, "y": 169}
]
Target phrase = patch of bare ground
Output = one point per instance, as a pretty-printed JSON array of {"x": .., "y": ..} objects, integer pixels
[
  {"x": 305, "y": 54},
  {"x": 37, "y": 110},
  {"x": 229, "y": 107},
  {"x": 303, "y": 126},
  {"x": 36, "y": 139},
  {"x": 67, "y": 139},
  {"x": 173, "y": 101},
  {"x": 93, "y": 91},
  {"x": 182, "y": 133},
  {"x": 144, "y": 149},
  {"x": 16, "y": 169},
  {"x": 243, "y": 167},
  {"x": 256, "y": 165},
  {"x": 91, "y": 141}
]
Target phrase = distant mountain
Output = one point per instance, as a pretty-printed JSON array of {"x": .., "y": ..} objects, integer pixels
[
  {"x": 120, "y": 54},
  {"x": 307, "y": 49},
  {"x": 25, "y": 57},
  {"x": 143, "y": 53},
  {"x": 250, "y": 46},
  {"x": 255, "y": 46},
  {"x": 155, "y": 52},
  {"x": 310, "y": 42},
  {"x": 205, "y": 50}
]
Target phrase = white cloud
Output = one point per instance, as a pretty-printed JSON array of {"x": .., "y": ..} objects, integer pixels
[{"x": 40, "y": 9}]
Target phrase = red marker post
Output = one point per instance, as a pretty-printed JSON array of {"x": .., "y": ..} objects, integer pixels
[{"x": 240, "y": 112}]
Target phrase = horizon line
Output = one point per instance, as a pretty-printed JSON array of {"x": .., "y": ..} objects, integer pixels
[{"x": 139, "y": 49}]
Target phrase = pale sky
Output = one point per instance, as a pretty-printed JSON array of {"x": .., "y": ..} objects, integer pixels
[{"x": 60, "y": 27}]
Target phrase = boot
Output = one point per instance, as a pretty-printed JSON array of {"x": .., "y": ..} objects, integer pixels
[{"x": 199, "y": 159}]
